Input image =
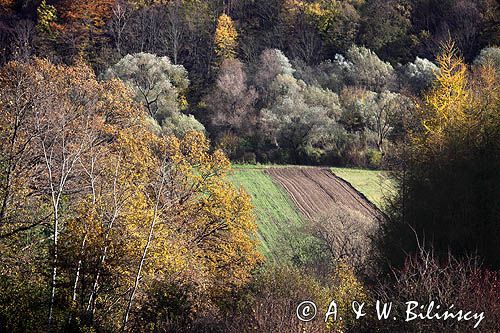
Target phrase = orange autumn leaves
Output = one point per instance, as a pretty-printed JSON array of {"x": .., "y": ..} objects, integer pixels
[
  {"x": 80, "y": 18},
  {"x": 92, "y": 12}
]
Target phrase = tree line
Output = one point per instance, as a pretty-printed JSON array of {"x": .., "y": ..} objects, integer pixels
[{"x": 225, "y": 48}]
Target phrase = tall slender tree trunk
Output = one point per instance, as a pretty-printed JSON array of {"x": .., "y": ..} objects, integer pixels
[
  {"x": 79, "y": 267},
  {"x": 54, "y": 264},
  {"x": 144, "y": 254},
  {"x": 95, "y": 286}
]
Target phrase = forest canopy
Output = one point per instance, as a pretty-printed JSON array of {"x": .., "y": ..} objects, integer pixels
[{"x": 214, "y": 66}]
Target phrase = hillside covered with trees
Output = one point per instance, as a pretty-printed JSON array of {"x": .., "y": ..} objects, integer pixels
[
  {"x": 120, "y": 121},
  {"x": 302, "y": 82}
]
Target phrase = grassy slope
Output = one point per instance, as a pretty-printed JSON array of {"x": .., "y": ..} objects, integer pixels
[
  {"x": 280, "y": 225},
  {"x": 375, "y": 185},
  {"x": 277, "y": 218}
]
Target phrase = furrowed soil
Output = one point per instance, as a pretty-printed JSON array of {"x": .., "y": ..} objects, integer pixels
[{"x": 317, "y": 191}]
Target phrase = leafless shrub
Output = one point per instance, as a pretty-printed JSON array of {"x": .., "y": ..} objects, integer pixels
[
  {"x": 347, "y": 235},
  {"x": 22, "y": 40},
  {"x": 463, "y": 283}
]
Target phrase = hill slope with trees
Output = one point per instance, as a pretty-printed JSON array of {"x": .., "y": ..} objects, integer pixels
[{"x": 120, "y": 120}]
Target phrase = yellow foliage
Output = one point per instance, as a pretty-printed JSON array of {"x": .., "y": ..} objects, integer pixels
[
  {"x": 46, "y": 15},
  {"x": 346, "y": 289},
  {"x": 138, "y": 207},
  {"x": 321, "y": 12},
  {"x": 205, "y": 230},
  {"x": 226, "y": 38},
  {"x": 459, "y": 100},
  {"x": 215, "y": 218},
  {"x": 446, "y": 104}
]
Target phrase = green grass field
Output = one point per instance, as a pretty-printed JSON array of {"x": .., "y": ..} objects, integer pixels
[
  {"x": 374, "y": 184},
  {"x": 281, "y": 227},
  {"x": 280, "y": 224}
]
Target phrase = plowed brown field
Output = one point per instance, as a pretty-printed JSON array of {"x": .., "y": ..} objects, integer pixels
[{"x": 316, "y": 191}]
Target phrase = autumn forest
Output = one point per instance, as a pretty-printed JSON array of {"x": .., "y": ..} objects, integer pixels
[{"x": 206, "y": 166}]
